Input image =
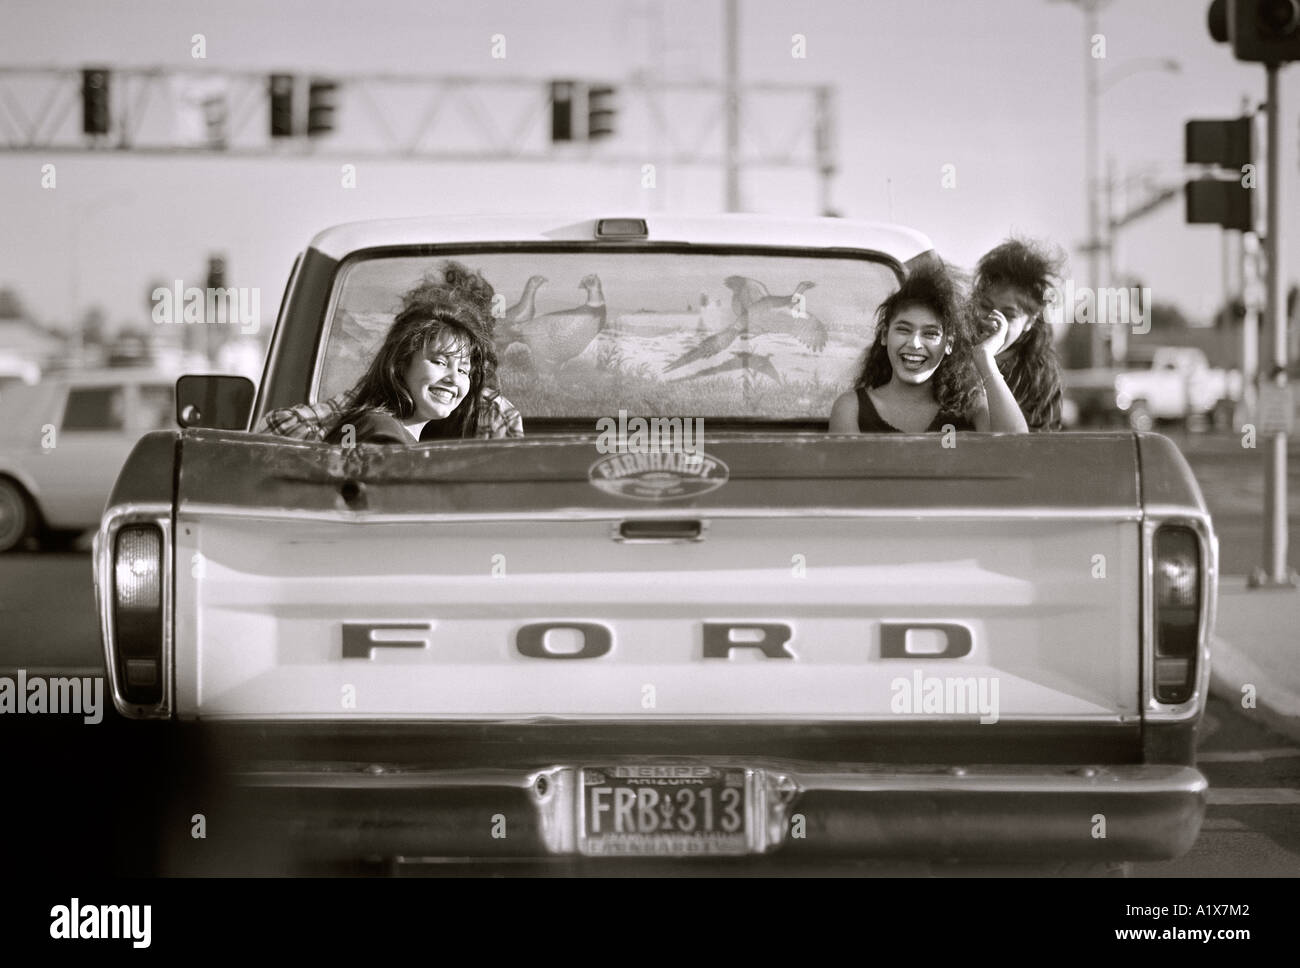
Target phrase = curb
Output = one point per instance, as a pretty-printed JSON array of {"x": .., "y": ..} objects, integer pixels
[{"x": 1276, "y": 706}]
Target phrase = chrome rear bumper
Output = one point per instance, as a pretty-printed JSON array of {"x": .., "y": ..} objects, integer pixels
[{"x": 1009, "y": 814}]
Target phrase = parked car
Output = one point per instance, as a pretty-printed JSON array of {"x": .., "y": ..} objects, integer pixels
[
  {"x": 63, "y": 441},
  {"x": 791, "y": 648}
]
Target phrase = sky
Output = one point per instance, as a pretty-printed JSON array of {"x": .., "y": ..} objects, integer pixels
[{"x": 993, "y": 89}]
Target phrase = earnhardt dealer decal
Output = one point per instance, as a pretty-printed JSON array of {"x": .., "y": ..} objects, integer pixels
[{"x": 658, "y": 476}]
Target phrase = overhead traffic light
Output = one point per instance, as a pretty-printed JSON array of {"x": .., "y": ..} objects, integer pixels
[
  {"x": 562, "y": 111},
  {"x": 600, "y": 112},
  {"x": 1266, "y": 31},
  {"x": 1228, "y": 143},
  {"x": 321, "y": 106},
  {"x": 281, "y": 105},
  {"x": 568, "y": 98},
  {"x": 216, "y": 272},
  {"x": 1220, "y": 201},
  {"x": 1217, "y": 200},
  {"x": 95, "y": 114}
]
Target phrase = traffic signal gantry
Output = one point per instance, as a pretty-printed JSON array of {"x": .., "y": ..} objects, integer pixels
[{"x": 638, "y": 122}]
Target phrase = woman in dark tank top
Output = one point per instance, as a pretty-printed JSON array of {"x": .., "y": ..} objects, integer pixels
[
  {"x": 870, "y": 421},
  {"x": 923, "y": 372}
]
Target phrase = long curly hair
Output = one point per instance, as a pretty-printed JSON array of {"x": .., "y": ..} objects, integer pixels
[
  {"x": 1030, "y": 366},
  {"x": 457, "y": 280},
  {"x": 430, "y": 313},
  {"x": 933, "y": 286}
]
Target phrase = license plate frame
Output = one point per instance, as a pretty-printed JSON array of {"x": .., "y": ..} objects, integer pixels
[{"x": 694, "y": 811}]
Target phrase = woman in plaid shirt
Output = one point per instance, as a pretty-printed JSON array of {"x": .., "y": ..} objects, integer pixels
[
  {"x": 497, "y": 417},
  {"x": 493, "y": 416}
]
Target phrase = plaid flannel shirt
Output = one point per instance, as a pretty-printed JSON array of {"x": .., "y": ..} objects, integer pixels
[{"x": 311, "y": 421}]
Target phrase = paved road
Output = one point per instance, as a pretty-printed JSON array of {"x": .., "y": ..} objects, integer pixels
[
  {"x": 47, "y": 613},
  {"x": 1252, "y": 826},
  {"x": 1232, "y": 479}
]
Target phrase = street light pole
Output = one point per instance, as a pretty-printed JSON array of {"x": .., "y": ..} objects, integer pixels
[
  {"x": 1093, "y": 178},
  {"x": 1117, "y": 333},
  {"x": 732, "y": 40}
]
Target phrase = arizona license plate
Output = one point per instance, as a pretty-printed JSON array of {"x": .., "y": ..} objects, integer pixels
[{"x": 664, "y": 810}]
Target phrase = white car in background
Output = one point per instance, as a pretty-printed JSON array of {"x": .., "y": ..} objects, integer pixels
[{"x": 63, "y": 441}]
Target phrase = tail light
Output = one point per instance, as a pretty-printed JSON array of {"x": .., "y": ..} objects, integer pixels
[
  {"x": 1176, "y": 620},
  {"x": 137, "y": 612}
]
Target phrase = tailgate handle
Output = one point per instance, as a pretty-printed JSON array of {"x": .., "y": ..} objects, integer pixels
[{"x": 657, "y": 529}]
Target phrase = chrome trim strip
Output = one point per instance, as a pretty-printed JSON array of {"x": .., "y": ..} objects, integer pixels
[
  {"x": 1199, "y": 522},
  {"x": 115, "y": 518},
  {"x": 371, "y": 777},
  {"x": 789, "y": 779},
  {"x": 191, "y": 509},
  {"x": 972, "y": 720},
  {"x": 1127, "y": 780}
]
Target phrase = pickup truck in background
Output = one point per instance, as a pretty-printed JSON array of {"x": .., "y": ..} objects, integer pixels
[
  {"x": 781, "y": 648},
  {"x": 1175, "y": 383}
]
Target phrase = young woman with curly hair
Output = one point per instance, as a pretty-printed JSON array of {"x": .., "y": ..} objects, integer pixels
[
  {"x": 427, "y": 380},
  {"x": 922, "y": 372},
  {"x": 1013, "y": 284}
]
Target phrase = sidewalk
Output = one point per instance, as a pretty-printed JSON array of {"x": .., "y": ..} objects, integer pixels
[{"x": 1257, "y": 642}]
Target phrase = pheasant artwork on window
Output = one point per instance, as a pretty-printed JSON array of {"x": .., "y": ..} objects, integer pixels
[
  {"x": 556, "y": 338},
  {"x": 757, "y": 312}
]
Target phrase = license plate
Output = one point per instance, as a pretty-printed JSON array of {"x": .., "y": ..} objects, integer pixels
[{"x": 674, "y": 810}]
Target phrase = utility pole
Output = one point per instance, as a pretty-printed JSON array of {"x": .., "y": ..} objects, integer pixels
[
  {"x": 1093, "y": 135},
  {"x": 825, "y": 146},
  {"x": 732, "y": 40},
  {"x": 1249, "y": 262},
  {"x": 1118, "y": 331},
  {"x": 1275, "y": 483}
]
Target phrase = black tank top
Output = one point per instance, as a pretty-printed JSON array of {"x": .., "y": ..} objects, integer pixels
[{"x": 870, "y": 421}]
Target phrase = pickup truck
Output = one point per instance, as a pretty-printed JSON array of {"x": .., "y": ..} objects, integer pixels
[
  {"x": 769, "y": 649},
  {"x": 1173, "y": 383}
]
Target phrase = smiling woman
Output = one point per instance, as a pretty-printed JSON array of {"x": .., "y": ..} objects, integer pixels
[
  {"x": 924, "y": 371},
  {"x": 426, "y": 381},
  {"x": 917, "y": 375}
]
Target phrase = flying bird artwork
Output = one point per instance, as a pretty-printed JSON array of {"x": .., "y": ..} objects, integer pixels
[{"x": 758, "y": 312}]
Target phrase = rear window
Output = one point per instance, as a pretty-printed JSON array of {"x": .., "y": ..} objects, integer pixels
[{"x": 588, "y": 333}]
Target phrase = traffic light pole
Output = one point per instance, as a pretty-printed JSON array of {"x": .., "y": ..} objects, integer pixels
[
  {"x": 1248, "y": 272},
  {"x": 1275, "y": 571}
]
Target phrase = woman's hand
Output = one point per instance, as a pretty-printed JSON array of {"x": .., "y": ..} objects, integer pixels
[{"x": 991, "y": 345}]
